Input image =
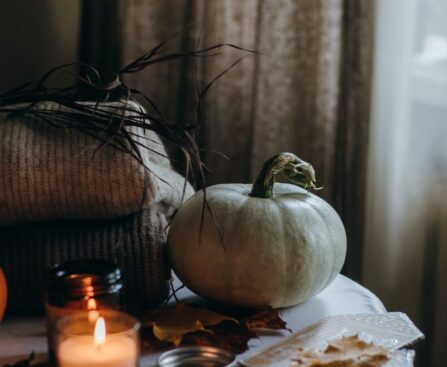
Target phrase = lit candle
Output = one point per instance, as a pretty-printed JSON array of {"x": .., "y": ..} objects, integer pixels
[{"x": 99, "y": 349}]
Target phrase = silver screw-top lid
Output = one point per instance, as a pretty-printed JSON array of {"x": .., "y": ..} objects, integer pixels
[{"x": 196, "y": 357}]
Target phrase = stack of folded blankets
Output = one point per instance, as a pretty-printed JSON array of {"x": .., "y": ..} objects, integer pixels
[{"x": 62, "y": 198}]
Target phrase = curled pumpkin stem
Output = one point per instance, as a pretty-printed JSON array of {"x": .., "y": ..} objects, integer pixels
[{"x": 294, "y": 169}]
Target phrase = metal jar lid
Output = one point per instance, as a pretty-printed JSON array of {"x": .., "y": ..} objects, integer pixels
[
  {"x": 196, "y": 357},
  {"x": 91, "y": 277}
]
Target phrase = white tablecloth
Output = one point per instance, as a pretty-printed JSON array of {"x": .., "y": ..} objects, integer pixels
[{"x": 21, "y": 335}]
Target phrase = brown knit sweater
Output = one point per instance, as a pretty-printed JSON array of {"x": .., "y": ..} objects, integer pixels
[
  {"x": 28, "y": 251},
  {"x": 51, "y": 173}
]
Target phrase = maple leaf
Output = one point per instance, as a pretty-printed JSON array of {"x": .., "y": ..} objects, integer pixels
[
  {"x": 185, "y": 325},
  {"x": 266, "y": 319},
  {"x": 172, "y": 323},
  {"x": 226, "y": 335}
]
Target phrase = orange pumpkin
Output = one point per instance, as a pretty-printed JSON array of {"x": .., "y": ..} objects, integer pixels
[{"x": 3, "y": 294}]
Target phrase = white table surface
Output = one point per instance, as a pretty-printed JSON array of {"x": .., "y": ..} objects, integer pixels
[{"x": 21, "y": 335}]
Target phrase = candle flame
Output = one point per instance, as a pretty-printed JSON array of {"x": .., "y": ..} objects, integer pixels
[
  {"x": 91, "y": 304},
  {"x": 100, "y": 332}
]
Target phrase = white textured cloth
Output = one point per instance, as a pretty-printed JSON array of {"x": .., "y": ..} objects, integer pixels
[{"x": 49, "y": 173}]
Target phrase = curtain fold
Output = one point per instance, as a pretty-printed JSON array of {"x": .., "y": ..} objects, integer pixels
[
  {"x": 98, "y": 45},
  {"x": 406, "y": 244},
  {"x": 349, "y": 187},
  {"x": 308, "y": 93}
]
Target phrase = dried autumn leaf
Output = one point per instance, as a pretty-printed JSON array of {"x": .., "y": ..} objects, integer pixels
[
  {"x": 150, "y": 343},
  {"x": 172, "y": 323},
  {"x": 226, "y": 335},
  {"x": 266, "y": 319},
  {"x": 174, "y": 334}
]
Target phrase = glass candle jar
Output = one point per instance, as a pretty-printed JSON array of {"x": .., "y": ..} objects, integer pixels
[
  {"x": 112, "y": 340},
  {"x": 81, "y": 285}
]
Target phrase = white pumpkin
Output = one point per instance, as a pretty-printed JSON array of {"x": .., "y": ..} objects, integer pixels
[{"x": 261, "y": 245}]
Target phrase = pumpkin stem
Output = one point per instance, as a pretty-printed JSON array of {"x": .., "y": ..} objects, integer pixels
[{"x": 295, "y": 170}]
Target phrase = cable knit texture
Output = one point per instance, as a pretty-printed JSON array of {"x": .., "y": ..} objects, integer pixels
[
  {"x": 49, "y": 173},
  {"x": 28, "y": 251}
]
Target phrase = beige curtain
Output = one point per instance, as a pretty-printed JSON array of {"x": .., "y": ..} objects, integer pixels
[
  {"x": 405, "y": 260},
  {"x": 309, "y": 93}
]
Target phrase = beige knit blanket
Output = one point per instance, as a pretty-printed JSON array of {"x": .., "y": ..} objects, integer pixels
[{"x": 49, "y": 172}]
